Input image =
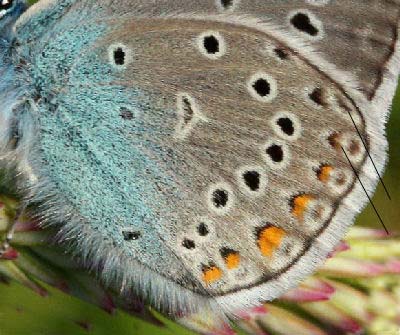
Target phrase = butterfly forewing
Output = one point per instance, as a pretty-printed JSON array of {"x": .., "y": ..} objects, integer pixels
[{"x": 356, "y": 36}]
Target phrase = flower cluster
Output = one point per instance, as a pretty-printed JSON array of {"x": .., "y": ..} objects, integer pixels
[{"x": 356, "y": 291}]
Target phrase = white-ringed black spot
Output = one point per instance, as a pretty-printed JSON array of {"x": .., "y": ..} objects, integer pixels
[
  {"x": 130, "y": 235},
  {"x": 286, "y": 125},
  {"x": 275, "y": 152},
  {"x": 252, "y": 180},
  {"x": 302, "y": 22},
  {"x": 119, "y": 56},
  {"x": 202, "y": 229},
  {"x": 262, "y": 87},
  {"x": 211, "y": 44},
  {"x": 220, "y": 198},
  {"x": 188, "y": 244}
]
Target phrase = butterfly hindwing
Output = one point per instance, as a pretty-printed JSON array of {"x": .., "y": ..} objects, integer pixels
[{"x": 193, "y": 141}]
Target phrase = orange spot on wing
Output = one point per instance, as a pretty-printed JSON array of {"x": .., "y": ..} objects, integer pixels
[
  {"x": 232, "y": 260},
  {"x": 211, "y": 274},
  {"x": 324, "y": 173},
  {"x": 269, "y": 239},
  {"x": 300, "y": 205},
  {"x": 334, "y": 140}
]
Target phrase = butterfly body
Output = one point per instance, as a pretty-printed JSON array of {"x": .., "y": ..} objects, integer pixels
[{"x": 198, "y": 152}]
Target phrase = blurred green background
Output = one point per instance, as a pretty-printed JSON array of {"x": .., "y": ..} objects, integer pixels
[
  {"x": 23, "y": 312},
  {"x": 389, "y": 210}
]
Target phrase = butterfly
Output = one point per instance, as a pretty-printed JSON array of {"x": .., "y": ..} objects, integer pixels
[{"x": 205, "y": 154}]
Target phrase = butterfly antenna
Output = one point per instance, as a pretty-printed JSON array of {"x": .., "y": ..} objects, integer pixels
[
  {"x": 369, "y": 198},
  {"x": 370, "y": 157}
]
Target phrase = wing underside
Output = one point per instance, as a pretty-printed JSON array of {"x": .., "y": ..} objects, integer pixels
[{"x": 208, "y": 148}]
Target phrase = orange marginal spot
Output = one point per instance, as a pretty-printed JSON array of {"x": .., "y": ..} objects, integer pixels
[
  {"x": 324, "y": 173},
  {"x": 334, "y": 140},
  {"x": 211, "y": 274},
  {"x": 300, "y": 205},
  {"x": 269, "y": 239},
  {"x": 232, "y": 260}
]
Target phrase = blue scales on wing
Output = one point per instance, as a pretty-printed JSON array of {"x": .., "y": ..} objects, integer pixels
[{"x": 192, "y": 150}]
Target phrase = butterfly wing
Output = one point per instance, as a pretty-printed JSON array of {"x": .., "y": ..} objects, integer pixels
[
  {"x": 357, "y": 37},
  {"x": 203, "y": 149}
]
